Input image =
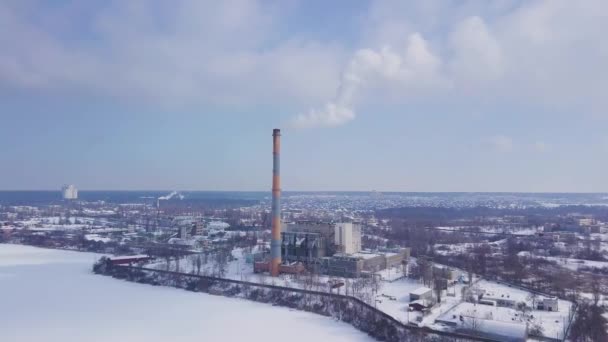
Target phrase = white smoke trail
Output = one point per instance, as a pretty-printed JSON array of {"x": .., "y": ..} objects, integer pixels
[
  {"x": 415, "y": 67},
  {"x": 170, "y": 196}
]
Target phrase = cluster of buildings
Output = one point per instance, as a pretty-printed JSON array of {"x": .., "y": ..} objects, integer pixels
[
  {"x": 510, "y": 299},
  {"x": 495, "y": 312},
  {"x": 324, "y": 247},
  {"x": 332, "y": 249},
  {"x": 196, "y": 232},
  {"x": 577, "y": 223}
]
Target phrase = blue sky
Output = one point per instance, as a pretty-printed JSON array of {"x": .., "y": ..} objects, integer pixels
[{"x": 387, "y": 95}]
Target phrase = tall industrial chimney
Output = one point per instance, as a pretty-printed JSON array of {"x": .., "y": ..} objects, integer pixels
[{"x": 275, "y": 242}]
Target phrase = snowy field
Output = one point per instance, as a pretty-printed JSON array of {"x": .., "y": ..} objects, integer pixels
[
  {"x": 50, "y": 295},
  {"x": 501, "y": 320},
  {"x": 574, "y": 264}
]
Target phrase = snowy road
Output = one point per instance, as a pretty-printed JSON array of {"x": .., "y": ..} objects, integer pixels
[{"x": 50, "y": 295}]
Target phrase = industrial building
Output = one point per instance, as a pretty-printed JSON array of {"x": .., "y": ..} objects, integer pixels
[
  {"x": 182, "y": 232},
  {"x": 335, "y": 249},
  {"x": 69, "y": 192},
  {"x": 364, "y": 263},
  {"x": 198, "y": 228},
  {"x": 322, "y": 247},
  {"x": 128, "y": 259},
  {"x": 549, "y": 304},
  {"x": 348, "y": 237},
  {"x": 305, "y": 241},
  {"x": 288, "y": 268},
  {"x": 303, "y": 246},
  {"x": 421, "y": 293},
  {"x": 449, "y": 274},
  {"x": 343, "y": 266},
  {"x": 342, "y": 237}
]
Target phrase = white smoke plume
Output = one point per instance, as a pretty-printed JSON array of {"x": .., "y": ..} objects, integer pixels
[
  {"x": 171, "y": 195},
  {"x": 416, "y": 66}
]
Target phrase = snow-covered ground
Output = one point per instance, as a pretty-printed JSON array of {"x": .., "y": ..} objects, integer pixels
[
  {"x": 552, "y": 322},
  {"x": 51, "y": 295},
  {"x": 400, "y": 291},
  {"x": 490, "y": 318},
  {"x": 57, "y": 223},
  {"x": 446, "y": 249},
  {"x": 494, "y": 229},
  {"x": 393, "y": 297}
]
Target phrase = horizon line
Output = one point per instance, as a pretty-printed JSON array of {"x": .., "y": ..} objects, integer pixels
[{"x": 315, "y": 191}]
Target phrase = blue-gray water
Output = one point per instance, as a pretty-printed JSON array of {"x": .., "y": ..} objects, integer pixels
[{"x": 51, "y": 197}]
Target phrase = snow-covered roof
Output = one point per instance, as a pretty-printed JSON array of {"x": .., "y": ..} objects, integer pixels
[
  {"x": 365, "y": 255},
  {"x": 127, "y": 257},
  {"x": 420, "y": 291},
  {"x": 503, "y": 292},
  {"x": 490, "y": 320}
]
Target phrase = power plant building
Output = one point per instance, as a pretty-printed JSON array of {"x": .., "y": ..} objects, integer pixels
[
  {"x": 343, "y": 266},
  {"x": 335, "y": 249},
  {"x": 348, "y": 237},
  {"x": 323, "y": 247},
  {"x": 363, "y": 263},
  {"x": 303, "y": 246}
]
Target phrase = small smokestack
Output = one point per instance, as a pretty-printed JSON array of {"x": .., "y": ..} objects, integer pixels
[{"x": 275, "y": 242}]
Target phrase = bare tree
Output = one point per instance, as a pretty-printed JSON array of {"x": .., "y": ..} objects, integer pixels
[
  {"x": 596, "y": 289},
  {"x": 198, "y": 264},
  {"x": 221, "y": 262},
  {"x": 533, "y": 297},
  {"x": 523, "y": 308},
  {"x": 470, "y": 271},
  {"x": 536, "y": 329},
  {"x": 193, "y": 261},
  {"x": 168, "y": 261},
  {"x": 589, "y": 325},
  {"x": 426, "y": 270},
  {"x": 473, "y": 323},
  {"x": 438, "y": 287}
]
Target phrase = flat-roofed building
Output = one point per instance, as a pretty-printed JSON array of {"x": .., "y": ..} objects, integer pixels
[
  {"x": 421, "y": 293},
  {"x": 306, "y": 247},
  {"x": 343, "y": 266},
  {"x": 372, "y": 262},
  {"x": 548, "y": 304},
  {"x": 348, "y": 237}
]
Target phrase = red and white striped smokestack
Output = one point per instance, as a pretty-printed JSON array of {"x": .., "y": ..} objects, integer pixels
[{"x": 275, "y": 242}]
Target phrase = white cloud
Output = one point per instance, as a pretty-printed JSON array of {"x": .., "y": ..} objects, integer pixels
[
  {"x": 501, "y": 143},
  {"x": 548, "y": 53},
  {"x": 182, "y": 52},
  {"x": 477, "y": 55},
  {"x": 541, "y": 146},
  {"x": 416, "y": 67}
]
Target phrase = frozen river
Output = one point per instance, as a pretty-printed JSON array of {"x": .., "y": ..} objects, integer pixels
[{"x": 50, "y": 295}]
